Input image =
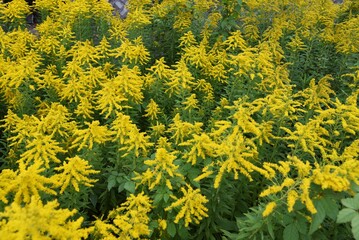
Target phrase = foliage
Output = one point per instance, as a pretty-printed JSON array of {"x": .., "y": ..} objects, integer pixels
[{"x": 188, "y": 119}]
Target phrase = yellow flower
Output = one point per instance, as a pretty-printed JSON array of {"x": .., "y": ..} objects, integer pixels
[
  {"x": 213, "y": 18},
  {"x": 6, "y": 176},
  {"x": 292, "y": 197},
  {"x": 136, "y": 141},
  {"x": 238, "y": 152},
  {"x": 269, "y": 209},
  {"x": 85, "y": 108},
  {"x": 74, "y": 90},
  {"x": 205, "y": 173},
  {"x": 201, "y": 146},
  {"x": 15, "y": 10},
  {"x": 346, "y": 36},
  {"x": 152, "y": 110},
  {"x": 187, "y": 39},
  {"x": 41, "y": 149},
  {"x": 40, "y": 221},
  {"x": 235, "y": 41},
  {"x": 181, "y": 130},
  {"x": 84, "y": 53},
  {"x": 183, "y": 21},
  {"x": 161, "y": 69},
  {"x": 122, "y": 125},
  {"x": 134, "y": 52},
  {"x": 158, "y": 129},
  {"x": 93, "y": 134},
  {"x": 204, "y": 5},
  {"x": 192, "y": 205},
  {"x": 296, "y": 43},
  {"x": 45, "y": 5},
  {"x": 129, "y": 83},
  {"x": 20, "y": 71},
  {"x": 75, "y": 171},
  {"x": 162, "y": 167},
  {"x": 162, "y": 224},
  {"x": 303, "y": 169},
  {"x": 110, "y": 99},
  {"x": 191, "y": 103},
  {"x": 130, "y": 221},
  {"x": 332, "y": 177},
  {"x": 181, "y": 79},
  {"x": 305, "y": 196},
  {"x": 309, "y": 137},
  {"x": 317, "y": 95},
  {"x": 198, "y": 56},
  {"x": 26, "y": 182},
  {"x": 138, "y": 16}
]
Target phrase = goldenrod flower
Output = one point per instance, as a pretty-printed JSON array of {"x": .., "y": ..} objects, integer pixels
[
  {"x": 181, "y": 129},
  {"x": 40, "y": 221},
  {"x": 192, "y": 206},
  {"x": 238, "y": 152},
  {"x": 162, "y": 167},
  {"x": 332, "y": 177},
  {"x": 110, "y": 99},
  {"x": 152, "y": 110},
  {"x": 130, "y": 221},
  {"x": 161, "y": 69},
  {"x": 75, "y": 171},
  {"x": 292, "y": 197},
  {"x": 84, "y": 53},
  {"x": 183, "y": 21},
  {"x": 236, "y": 41},
  {"x": 41, "y": 149},
  {"x": 181, "y": 79},
  {"x": 269, "y": 209},
  {"x": 296, "y": 43},
  {"x": 158, "y": 129},
  {"x": 134, "y": 52},
  {"x": 129, "y": 83},
  {"x": 122, "y": 125},
  {"x": 200, "y": 146},
  {"x": 74, "y": 90},
  {"x": 26, "y": 182},
  {"x": 93, "y": 134},
  {"x": 191, "y": 103},
  {"x": 138, "y": 15},
  {"x": 136, "y": 141},
  {"x": 187, "y": 39},
  {"x": 15, "y": 10},
  {"x": 85, "y": 108}
]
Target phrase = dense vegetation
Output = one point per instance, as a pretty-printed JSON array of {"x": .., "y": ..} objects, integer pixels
[{"x": 188, "y": 119}]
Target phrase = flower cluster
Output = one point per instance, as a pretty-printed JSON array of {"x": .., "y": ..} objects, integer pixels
[{"x": 177, "y": 120}]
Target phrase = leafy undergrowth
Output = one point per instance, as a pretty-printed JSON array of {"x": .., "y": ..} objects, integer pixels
[{"x": 189, "y": 119}]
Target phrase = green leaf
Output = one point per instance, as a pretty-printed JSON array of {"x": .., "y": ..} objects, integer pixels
[
  {"x": 121, "y": 187},
  {"x": 229, "y": 235},
  {"x": 130, "y": 186},
  {"x": 183, "y": 233},
  {"x": 158, "y": 198},
  {"x": 270, "y": 229},
  {"x": 166, "y": 196},
  {"x": 351, "y": 203},
  {"x": 111, "y": 182},
  {"x": 330, "y": 206},
  {"x": 171, "y": 229},
  {"x": 318, "y": 218},
  {"x": 291, "y": 232},
  {"x": 302, "y": 224},
  {"x": 346, "y": 215},
  {"x": 355, "y": 187},
  {"x": 355, "y": 227}
]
